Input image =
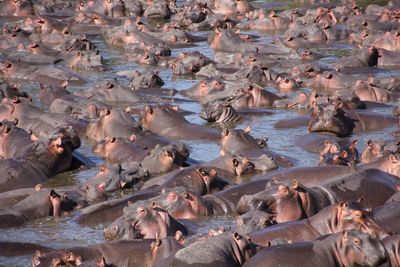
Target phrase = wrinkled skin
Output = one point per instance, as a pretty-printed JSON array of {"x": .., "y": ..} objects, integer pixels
[
  {"x": 330, "y": 118},
  {"x": 166, "y": 121},
  {"x": 226, "y": 249},
  {"x": 145, "y": 222},
  {"x": 370, "y": 92},
  {"x": 330, "y": 220},
  {"x": 348, "y": 248}
]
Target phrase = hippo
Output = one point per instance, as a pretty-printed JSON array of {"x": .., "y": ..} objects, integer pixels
[
  {"x": 30, "y": 117},
  {"x": 335, "y": 218},
  {"x": 253, "y": 97},
  {"x": 119, "y": 253},
  {"x": 43, "y": 202},
  {"x": 114, "y": 91},
  {"x": 347, "y": 248},
  {"x": 112, "y": 123},
  {"x": 370, "y": 92},
  {"x": 115, "y": 177},
  {"x": 219, "y": 113},
  {"x": 372, "y": 152},
  {"x": 239, "y": 142},
  {"x": 44, "y": 160},
  {"x": 165, "y": 121},
  {"x": 226, "y": 249},
  {"x": 203, "y": 180},
  {"x": 19, "y": 8},
  {"x": 332, "y": 119},
  {"x": 367, "y": 57},
  {"x": 319, "y": 195},
  {"x": 145, "y": 222},
  {"x": 391, "y": 247},
  {"x": 335, "y": 155}
]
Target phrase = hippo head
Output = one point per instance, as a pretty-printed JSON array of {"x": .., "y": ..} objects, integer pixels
[
  {"x": 242, "y": 165},
  {"x": 246, "y": 250},
  {"x": 159, "y": 160},
  {"x": 300, "y": 101},
  {"x": 333, "y": 154},
  {"x": 218, "y": 112},
  {"x": 372, "y": 152},
  {"x": 23, "y": 8},
  {"x": 254, "y": 220},
  {"x": 161, "y": 249},
  {"x": 351, "y": 215},
  {"x": 234, "y": 141},
  {"x": 352, "y": 248},
  {"x": 56, "y": 258},
  {"x": 118, "y": 9},
  {"x": 143, "y": 221},
  {"x": 6, "y": 68},
  {"x": 95, "y": 193},
  {"x": 330, "y": 118},
  {"x": 183, "y": 204},
  {"x": 278, "y": 199},
  {"x": 146, "y": 80},
  {"x": 157, "y": 9}
]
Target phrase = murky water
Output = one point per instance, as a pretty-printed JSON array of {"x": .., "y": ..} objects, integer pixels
[{"x": 64, "y": 232}]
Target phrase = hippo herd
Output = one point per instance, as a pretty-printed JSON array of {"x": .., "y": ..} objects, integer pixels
[{"x": 199, "y": 133}]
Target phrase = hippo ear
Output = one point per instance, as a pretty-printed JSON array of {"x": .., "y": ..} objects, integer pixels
[
  {"x": 179, "y": 237},
  {"x": 344, "y": 154},
  {"x": 360, "y": 200},
  {"x": 353, "y": 144},
  {"x": 345, "y": 235},
  {"x": 130, "y": 203},
  {"x": 370, "y": 143},
  {"x": 247, "y": 129},
  {"x": 343, "y": 205},
  {"x": 148, "y": 109},
  {"x": 113, "y": 139},
  {"x": 295, "y": 184},
  {"x": 393, "y": 158},
  {"x": 225, "y": 132},
  {"x": 38, "y": 187},
  {"x": 132, "y": 138},
  {"x": 235, "y": 162},
  {"x": 189, "y": 195},
  {"x": 236, "y": 236}
]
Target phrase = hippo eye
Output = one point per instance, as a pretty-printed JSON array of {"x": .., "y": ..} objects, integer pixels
[
  {"x": 141, "y": 210},
  {"x": 356, "y": 241}
]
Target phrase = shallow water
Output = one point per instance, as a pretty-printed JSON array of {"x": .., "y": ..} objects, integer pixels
[{"x": 64, "y": 232}]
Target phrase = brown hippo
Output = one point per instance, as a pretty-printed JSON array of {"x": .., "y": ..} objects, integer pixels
[
  {"x": 145, "y": 222},
  {"x": 43, "y": 202},
  {"x": 330, "y": 118},
  {"x": 335, "y": 218},
  {"x": 367, "y": 57},
  {"x": 287, "y": 202},
  {"x": 240, "y": 142},
  {"x": 348, "y": 248},
  {"x": 112, "y": 123},
  {"x": 170, "y": 123},
  {"x": 18, "y": 8},
  {"x": 253, "y": 96},
  {"x": 372, "y": 152},
  {"x": 219, "y": 113},
  {"x": 226, "y": 249},
  {"x": 119, "y": 253}
]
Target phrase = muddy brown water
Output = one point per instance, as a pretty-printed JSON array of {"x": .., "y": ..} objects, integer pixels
[{"x": 64, "y": 232}]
